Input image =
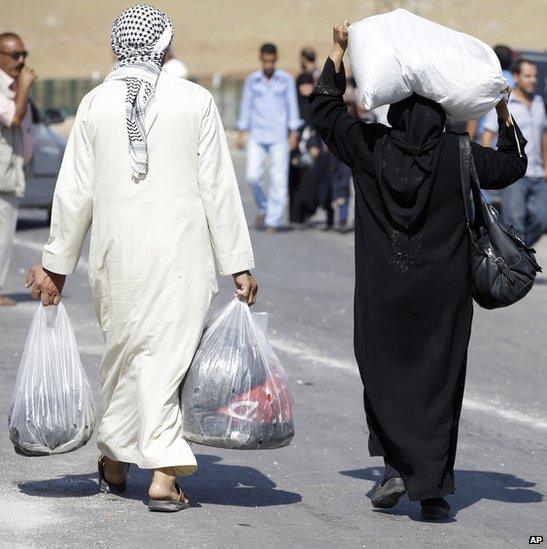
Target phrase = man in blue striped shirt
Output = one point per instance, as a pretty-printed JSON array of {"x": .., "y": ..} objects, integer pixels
[
  {"x": 268, "y": 124},
  {"x": 524, "y": 203}
]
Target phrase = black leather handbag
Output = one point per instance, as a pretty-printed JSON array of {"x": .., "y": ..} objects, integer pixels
[{"x": 503, "y": 268}]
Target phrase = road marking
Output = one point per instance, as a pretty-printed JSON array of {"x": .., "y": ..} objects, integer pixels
[
  {"x": 511, "y": 415},
  {"x": 303, "y": 352},
  {"x": 308, "y": 353},
  {"x": 82, "y": 264},
  {"x": 26, "y": 244},
  {"x": 94, "y": 350}
]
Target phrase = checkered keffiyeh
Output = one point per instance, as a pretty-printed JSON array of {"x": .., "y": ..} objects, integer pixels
[{"x": 140, "y": 38}]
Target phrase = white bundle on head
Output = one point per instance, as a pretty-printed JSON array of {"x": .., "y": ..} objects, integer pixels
[{"x": 397, "y": 54}]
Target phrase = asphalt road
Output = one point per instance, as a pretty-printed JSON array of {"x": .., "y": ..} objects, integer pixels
[{"x": 312, "y": 494}]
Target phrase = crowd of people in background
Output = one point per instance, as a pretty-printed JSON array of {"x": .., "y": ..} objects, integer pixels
[{"x": 275, "y": 125}]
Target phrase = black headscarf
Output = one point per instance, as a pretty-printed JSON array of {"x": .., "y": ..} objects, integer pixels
[{"x": 408, "y": 159}]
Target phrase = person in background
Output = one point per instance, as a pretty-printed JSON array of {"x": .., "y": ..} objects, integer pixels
[
  {"x": 334, "y": 177},
  {"x": 524, "y": 204},
  {"x": 268, "y": 125},
  {"x": 308, "y": 62},
  {"x": 302, "y": 187},
  {"x": 475, "y": 127},
  {"x": 175, "y": 66},
  {"x": 309, "y": 67},
  {"x": 16, "y": 141},
  {"x": 333, "y": 183}
]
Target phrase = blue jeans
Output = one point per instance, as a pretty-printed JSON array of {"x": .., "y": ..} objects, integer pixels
[
  {"x": 272, "y": 206},
  {"x": 524, "y": 205}
]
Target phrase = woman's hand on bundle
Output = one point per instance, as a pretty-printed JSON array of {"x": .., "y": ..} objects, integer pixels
[
  {"x": 246, "y": 287},
  {"x": 340, "y": 34},
  {"x": 340, "y": 42},
  {"x": 502, "y": 109}
]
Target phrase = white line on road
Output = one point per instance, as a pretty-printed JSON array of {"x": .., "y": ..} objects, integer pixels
[
  {"x": 35, "y": 246},
  {"x": 470, "y": 403},
  {"x": 511, "y": 415},
  {"x": 307, "y": 353}
]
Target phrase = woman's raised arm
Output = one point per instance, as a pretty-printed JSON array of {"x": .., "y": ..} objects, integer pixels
[{"x": 342, "y": 133}]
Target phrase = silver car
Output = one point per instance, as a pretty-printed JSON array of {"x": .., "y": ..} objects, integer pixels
[{"x": 49, "y": 148}]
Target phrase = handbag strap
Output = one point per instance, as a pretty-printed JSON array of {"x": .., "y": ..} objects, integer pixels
[{"x": 465, "y": 176}]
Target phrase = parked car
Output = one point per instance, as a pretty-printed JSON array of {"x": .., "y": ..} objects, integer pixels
[{"x": 48, "y": 152}]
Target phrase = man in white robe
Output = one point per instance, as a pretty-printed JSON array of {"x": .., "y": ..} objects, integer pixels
[{"x": 162, "y": 216}]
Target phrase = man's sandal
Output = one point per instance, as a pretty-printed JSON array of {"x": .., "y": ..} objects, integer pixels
[
  {"x": 106, "y": 487},
  {"x": 170, "y": 505}
]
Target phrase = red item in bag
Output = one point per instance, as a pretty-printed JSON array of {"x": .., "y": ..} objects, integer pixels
[{"x": 256, "y": 404}]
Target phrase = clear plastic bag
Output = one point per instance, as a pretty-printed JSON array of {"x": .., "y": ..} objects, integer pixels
[
  {"x": 236, "y": 394},
  {"x": 53, "y": 410}
]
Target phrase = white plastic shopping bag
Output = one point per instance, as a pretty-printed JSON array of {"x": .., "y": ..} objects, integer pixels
[
  {"x": 53, "y": 410},
  {"x": 398, "y": 53},
  {"x": 235, "y": 394}
]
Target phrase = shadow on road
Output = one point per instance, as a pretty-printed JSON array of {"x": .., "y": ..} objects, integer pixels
[
  {"x": 213, "y": 483},
  {"x": 236, "y": 485},
  {"x": 67, "y": 486},
  {"x": 20, "y": 297},
  {"x": 472, "y": 486}
]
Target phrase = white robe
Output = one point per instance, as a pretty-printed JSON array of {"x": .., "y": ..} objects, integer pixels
[{"x": 152, "y": 255}]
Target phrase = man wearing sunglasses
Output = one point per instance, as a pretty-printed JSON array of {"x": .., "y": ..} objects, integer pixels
[{"x": 16, "y": 141}]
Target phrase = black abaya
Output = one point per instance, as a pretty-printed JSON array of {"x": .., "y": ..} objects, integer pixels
[{"x": 413, "y": 307}]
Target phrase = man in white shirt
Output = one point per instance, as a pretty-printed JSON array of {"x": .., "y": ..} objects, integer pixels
[
  {"x": 16, "y": 141},
  {"x": 524, "y": 204}
]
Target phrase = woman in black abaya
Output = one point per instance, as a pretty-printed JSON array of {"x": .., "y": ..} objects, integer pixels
[{"x": 413, "y": 307}]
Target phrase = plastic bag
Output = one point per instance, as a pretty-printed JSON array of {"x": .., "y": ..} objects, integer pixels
[
  {"x": 235, "y": 394},
  {"x": 53, "y": 410},
  {"x": 396, "y": 54}
]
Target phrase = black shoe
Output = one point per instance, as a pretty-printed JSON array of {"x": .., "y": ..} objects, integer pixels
[
  {"x": 435, "y": 509},
  {"x": 388, "y": 493}
]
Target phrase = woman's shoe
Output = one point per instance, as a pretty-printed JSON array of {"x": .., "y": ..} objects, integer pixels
[
  {"x": 435, "y": 508},
  {"x": 106, "y": 487},
  {"x": 170, "y": 505},
  {"x": 388, "y": 493}
]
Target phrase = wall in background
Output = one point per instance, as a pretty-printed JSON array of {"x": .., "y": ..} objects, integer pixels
[{"x": 70, "y": 38}]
